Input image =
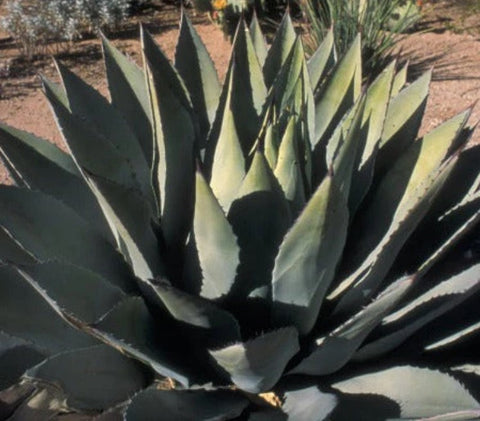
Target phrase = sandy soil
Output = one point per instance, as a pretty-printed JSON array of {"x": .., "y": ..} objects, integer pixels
[{"x": 454, "y": 56}]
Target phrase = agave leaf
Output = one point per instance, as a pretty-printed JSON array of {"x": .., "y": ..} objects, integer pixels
[
  {"x": 403, "y": 119},
  {"x": 334, "y": 350},
  {"x": 337, "y": 142},
  {"x": 454, "y": 213},
  {"x": 38, "y": 325},
  {"x": 72, "y": 287},
  {"x": 338, "y": 94},
  {"x": 288, "y": 168},
  {"x": 81, "y": 139},
  {"x": 186, "y": 405},
  {"x": 349, "y": 141},
  {"x": 309, "y": 404},
  {"x": 132, "y": 218},
  {"x": 248, "y": 88},
  {"x": 454, "y": 338},
  {"x": 456, "y": 416},
  {"x": 198, "y": 312},
  {"x": 196, "y": 67},
  {"x": 402, "y": 199},
  {"x": 399, "y": 80},
  {"x": 112, "y": 378},
  {"x": 104, "y": 119},
  {"x": 280, "y": 49},
  {"x": 175, "y": 136},
  {"x": 271, "y": 143},
  {"x": 228, "y": 166},
  {"x": 259, "y": 217},
  {"x": 323, "y": 60},
  {"x": 128, "y": 91},
  {"x": 40, "y": 165},
  {"x": 14, "y": 141},
  {"x": 404, "y": 322},
  {"x": 50, "y": 230},
  {"x": 131, "y": 328},
  {"x": 12, "y": 251},
  {"x": 244, "y": 95},
  {"x": 256, "y": 366},
  {"x": 215, "y": 242},
  {"x": 308, "y": 256},
  {"x": 419, "y": 392},
  {"x": 286, "y": 81},
  {"x": 258, "y": 39},
  {"x": 376, "y": 104},
  {"x": 450, "y": 223},
  {"x": 16, "y": 355}
]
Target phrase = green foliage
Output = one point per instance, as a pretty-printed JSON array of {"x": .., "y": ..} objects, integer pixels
[
  {"x": 285, "y": 237},
  {"x": 379, "y": 21}
]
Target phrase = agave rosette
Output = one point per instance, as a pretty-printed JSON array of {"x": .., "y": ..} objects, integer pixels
[{"x": 284, "y": 233}]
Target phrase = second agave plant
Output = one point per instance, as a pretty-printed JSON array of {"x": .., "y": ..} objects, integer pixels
[{"x": 279, "y": 247}]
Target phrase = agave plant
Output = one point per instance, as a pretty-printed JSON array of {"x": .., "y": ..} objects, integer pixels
[{"x": 282, "y": 247}]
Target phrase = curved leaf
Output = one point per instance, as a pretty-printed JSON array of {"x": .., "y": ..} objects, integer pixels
[
  {"x": 131, "y": 328},
  {"x": 131, "y": 215},
  {"x": 308, "y": 256},
  {"x": 128, "y": 91},
  {"x": 197, "y": 69},
  {"x": 50, "y": 230},
  {"x": 219, "y": 324},
  {"x": 288, "y": 168},
  {"x": 93, "y": 109},
  {"x": 92, "y": 378},
  {"x": 280, "y": 49},
  {"x": 37, "y": 323},
  {"x": 402, "y": 121},
  {"x": 323, "y": 60},
  {"x": 404, "y": 322},
  {"x": 400, "y": 201},
  {"x": 79, "y": 292},
  {"x": 256, "y": 366},
  {"x": 258, "y": 40},
  {"x": 215, "y": 242},
  {"x": 338, "y": 94},
  {"x": 420, "y": 392},
  {"x": 309, "y": 404},
  {"x": 334, "y": 350},
  {"x": 42, "y": 166},
  {"x": 228, "y": 166},
  {"x": 259, "y": 217},
  {"x": 175, "y": 134}
]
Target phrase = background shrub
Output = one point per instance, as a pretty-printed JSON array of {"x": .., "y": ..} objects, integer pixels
[
  {"x": 379, "y": 21},
  {"x": 36, "y": 23}
]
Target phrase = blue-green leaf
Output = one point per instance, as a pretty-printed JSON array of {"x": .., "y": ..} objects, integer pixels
[
  {"x": 256, "y": 366},
  {"x": 308, "y": 256},
  {"x": 94, "y": 378},
  {"x": 419, "y": 392},
  {"x": 77, "y": 291},
  {"x": 128, "y": 91},
  {"x": 197, "y": 69},
  {"x": 334, "y": 350},
  {"x": 175, "y": 133},
  {"x": 215, "y": 242},
  {"x": 40, "y": 165},
  {"x": 48, "y": 230},
  {"x": 280, "y": 49},
  {"x": 38, "y": 323}
]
